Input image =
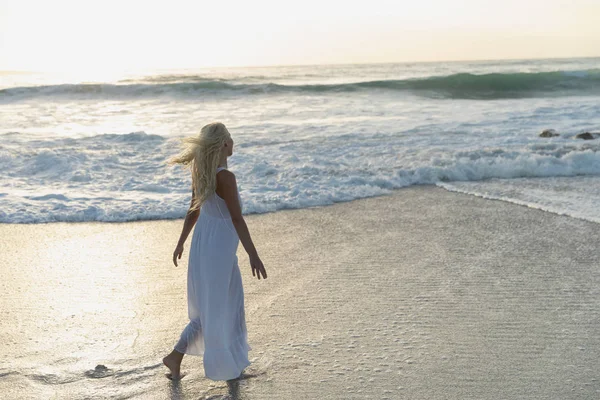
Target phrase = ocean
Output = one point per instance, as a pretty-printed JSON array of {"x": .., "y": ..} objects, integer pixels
[{"x": 95, "y": 150}]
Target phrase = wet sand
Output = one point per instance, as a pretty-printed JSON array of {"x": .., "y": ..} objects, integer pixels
[{"x": 422, "y": 294}]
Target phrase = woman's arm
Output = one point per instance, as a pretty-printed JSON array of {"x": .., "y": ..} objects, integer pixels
[
  {"x": 190, "y": 219},
  {"x": 227, "y": 186}
]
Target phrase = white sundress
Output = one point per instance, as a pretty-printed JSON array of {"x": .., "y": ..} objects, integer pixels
[{"x": 217, "y": 327}]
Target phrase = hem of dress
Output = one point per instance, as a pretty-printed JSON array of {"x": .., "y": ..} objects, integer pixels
[
  {"x": 236, "y": 375},
  {"x": 232, "y": 358},
  {"x": 242, "y": 337}
]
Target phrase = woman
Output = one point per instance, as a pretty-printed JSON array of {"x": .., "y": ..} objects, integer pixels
[{"x": 217, "y": 327}]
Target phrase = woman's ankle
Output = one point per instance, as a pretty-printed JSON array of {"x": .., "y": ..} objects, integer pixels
[{"x": 176, "y": 355}]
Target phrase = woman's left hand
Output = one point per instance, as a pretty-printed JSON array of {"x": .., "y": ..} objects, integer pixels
[{"x": 177, "y": 253}]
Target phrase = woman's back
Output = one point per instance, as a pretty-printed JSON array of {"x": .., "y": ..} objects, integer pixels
[{"x": 216, "y": 207}]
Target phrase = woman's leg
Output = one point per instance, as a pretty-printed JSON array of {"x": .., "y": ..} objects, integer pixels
[
  {"x": 190, "y": 339},
  {"x": 173, "y": 362}
]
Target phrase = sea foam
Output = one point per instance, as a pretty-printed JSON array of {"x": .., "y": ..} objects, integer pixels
[{"x": 126, "y": 177}]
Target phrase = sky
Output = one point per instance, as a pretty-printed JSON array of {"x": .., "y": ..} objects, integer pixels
[{"x": 107, "y": 35}]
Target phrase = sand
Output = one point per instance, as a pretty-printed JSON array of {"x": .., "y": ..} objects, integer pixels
[{"x": 421, "y": 294}]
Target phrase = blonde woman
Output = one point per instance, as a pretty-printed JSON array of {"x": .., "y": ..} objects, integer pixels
[{"x": 217, "y": 327}]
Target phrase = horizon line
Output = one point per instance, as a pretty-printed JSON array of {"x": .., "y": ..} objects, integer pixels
[{"x": 316, "y": 65}]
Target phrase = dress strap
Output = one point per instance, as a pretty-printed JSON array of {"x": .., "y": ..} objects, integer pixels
[{"x": 220, "y": 168}]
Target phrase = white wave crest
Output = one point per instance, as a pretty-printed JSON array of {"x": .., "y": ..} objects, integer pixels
[{"x": 125, "y": 177}]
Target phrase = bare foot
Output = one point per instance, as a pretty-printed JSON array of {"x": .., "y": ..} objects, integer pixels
[{"x": 173, "y": 362}]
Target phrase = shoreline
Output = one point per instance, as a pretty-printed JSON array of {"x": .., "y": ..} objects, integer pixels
[{"x": 393, "y": 192}]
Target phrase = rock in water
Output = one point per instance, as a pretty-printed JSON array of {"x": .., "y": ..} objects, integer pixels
[
  {"x": 587, "y": 136},
  {"x": 549, "y": 133}
]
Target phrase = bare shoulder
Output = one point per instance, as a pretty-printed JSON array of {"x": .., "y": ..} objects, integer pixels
[
  {"x": 226, "y": 183},
  {"x": 225, "y": 177}
]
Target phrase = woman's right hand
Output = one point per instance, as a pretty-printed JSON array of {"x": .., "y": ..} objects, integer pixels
[
  {"x": 177, "y": 253},
  {"x": 257, "y": 266}
]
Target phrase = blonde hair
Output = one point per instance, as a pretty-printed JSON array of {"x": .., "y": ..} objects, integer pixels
[{"x": 201, "y": 154}]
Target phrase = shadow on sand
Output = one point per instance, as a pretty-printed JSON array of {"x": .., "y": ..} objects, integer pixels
[{"x": 233, "y": 389}]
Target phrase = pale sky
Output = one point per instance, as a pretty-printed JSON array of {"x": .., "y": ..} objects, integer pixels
[{"x": 76, "y": 35}]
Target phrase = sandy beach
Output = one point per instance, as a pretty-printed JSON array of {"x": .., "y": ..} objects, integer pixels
[{"x": 421, "y": 294}]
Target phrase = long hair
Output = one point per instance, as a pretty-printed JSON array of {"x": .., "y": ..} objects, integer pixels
[{"x": 201, "y": 153}]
